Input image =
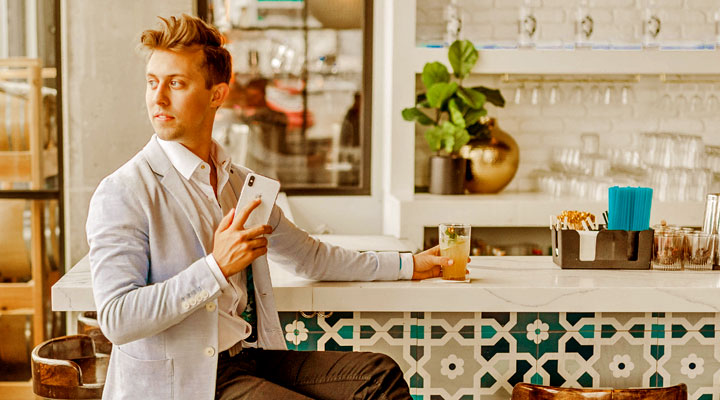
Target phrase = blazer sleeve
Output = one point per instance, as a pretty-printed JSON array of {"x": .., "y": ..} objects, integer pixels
[
  {"x": 128, "y": 307},
  {"x": 294, "y": 249}
]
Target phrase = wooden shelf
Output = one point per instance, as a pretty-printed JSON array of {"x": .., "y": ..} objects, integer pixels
[
  {"x": 16, "y": 390},
  {"x": 16, "y": 295}
]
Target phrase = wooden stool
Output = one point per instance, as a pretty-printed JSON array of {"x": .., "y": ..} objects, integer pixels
[
  {"x": 68, "y": 368},
  {"x": 87, "y": 325},
  {"x": 526, "y": 391}
]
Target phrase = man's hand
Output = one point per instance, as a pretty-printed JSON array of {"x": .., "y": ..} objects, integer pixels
[
  {"x": 429, "y": 263},
  {"x": 234, "y": 247}
]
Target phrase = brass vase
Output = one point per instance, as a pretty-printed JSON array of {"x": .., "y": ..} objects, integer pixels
[{"x": 493, "y": 162}]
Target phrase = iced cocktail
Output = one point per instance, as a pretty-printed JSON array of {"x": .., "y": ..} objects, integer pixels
[{"x": 455, "y": 244}]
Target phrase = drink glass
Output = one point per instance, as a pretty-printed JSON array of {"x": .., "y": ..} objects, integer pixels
[
  {"x": 455, "y": 244},
  {"x": 699, "y": 251},
  {"x": 668, "y": 250}
]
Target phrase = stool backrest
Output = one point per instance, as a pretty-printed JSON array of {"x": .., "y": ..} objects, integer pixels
[
  {"x": 527, "y": 391},
  {"x": 68, "y": 368}
]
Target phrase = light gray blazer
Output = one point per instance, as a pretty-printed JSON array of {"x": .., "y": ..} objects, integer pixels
[{"x": 156, "y": 296}]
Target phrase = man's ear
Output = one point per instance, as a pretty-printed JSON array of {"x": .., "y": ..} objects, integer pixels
[{"x": 220, "y": 92}]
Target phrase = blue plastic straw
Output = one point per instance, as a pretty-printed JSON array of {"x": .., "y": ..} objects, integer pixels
[{"x": 629, "y": 208}]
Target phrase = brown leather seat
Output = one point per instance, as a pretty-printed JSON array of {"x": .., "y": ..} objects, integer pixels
[
  {"x": 87, "y": 324},
  {"x": 526, "y": 391},
  {"x": 67, "y": 367}
]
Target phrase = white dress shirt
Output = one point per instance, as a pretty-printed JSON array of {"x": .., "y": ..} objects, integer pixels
[{"x": 233, "y": 300}]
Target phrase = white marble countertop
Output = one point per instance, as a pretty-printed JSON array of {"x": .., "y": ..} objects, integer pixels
[{"x": 497, "y": 284}]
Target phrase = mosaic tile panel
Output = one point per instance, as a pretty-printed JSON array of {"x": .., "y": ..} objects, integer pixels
[{"x": 463, "y": 356}]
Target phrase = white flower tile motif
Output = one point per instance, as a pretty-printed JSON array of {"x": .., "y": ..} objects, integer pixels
[
  {"x": 452, "y": 366},
  {"x": 537, "y": 331},
  {"x": 296, "y": 332},
  {"x": 621, "y": 366},
  {"x": 692, "y": 366}
]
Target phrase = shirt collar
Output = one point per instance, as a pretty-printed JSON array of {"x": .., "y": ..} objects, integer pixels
[{"x": 186, "y": 162}]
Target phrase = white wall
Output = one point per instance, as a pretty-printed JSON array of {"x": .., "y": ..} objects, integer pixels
[{"x": 105, "y": 121}]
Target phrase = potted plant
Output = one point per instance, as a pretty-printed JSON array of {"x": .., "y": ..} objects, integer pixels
[{"x": 455, "y": 113}]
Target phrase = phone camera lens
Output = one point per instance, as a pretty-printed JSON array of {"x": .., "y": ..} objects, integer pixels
[{"x": 252, "y": 180}]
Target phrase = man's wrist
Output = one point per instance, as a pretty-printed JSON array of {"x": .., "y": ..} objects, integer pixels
[
  {"x": 407, "y": 265},
  {"x": 217, "y": 271}
]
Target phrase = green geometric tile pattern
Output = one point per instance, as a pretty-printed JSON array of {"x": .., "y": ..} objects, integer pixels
[{"x": 482, "y": 355}]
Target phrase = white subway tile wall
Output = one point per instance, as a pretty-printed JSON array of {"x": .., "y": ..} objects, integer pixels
[
  {"x": 651, "y": 105},
  {"x": 620, "y": 22}
]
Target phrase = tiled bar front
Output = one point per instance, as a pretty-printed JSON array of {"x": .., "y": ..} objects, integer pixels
[
  {"x": 481, "y": 355},
  {"x": 519, "y": 319}
]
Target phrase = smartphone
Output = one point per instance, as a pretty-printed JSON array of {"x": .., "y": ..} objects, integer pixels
[{"x": 258, "y": 186}]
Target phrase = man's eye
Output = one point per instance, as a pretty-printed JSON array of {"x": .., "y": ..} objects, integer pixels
[
  {"x": 152, "y": 83},
  {"x": 175, "y": 83}
]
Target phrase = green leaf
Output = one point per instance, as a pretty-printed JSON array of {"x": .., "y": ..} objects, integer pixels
[
  {"x": 492, "y": 95},
  {"x": 433, "y": 73},
  {"x": 471, "y": 97},
  {"x": 434, "y": 137},
  {"x": 461, "y": 138},
  {"x": 438, "y": 93},
  {"x": 454, "y": 137},
  {"x": 473, "y": 116},
  {"x": 456, "y": 115},
  {"x": 462, "y": 56},
  {"x": 413, "y": 114}
]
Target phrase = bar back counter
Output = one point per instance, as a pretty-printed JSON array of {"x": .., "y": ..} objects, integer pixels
[{"x": 519, "y": 319}]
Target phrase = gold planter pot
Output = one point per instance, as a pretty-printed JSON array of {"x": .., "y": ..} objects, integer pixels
[{"x": 493, "y": 162}]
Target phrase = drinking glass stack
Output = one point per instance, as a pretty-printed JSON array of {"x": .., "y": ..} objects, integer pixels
[{"x": 677, "y": 166}]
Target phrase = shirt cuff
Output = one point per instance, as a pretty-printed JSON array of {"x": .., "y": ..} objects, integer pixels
[
  {"x": 407, "y": 266},
  {"x": 217, "y": 273}
]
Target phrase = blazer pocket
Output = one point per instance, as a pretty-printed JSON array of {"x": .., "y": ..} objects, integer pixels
[{"x": 144, "y": 379}]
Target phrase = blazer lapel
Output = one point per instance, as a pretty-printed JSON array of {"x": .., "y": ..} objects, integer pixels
[{"x": 171, "y": 180}]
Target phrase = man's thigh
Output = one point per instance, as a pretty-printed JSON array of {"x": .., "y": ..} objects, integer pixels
[
  {"x": 251, "y": 387},
  {"x": 333, "y": 374}
]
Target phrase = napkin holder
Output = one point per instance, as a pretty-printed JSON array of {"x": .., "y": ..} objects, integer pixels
[{"x": 613, "y": 249}]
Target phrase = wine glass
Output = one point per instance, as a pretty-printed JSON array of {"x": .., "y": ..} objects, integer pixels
[
  {"x": 576, "y": 95},
  {"x": 554, "y": 95}
]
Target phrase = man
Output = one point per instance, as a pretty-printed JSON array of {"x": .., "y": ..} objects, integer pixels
[{"x": 182, "y": 291}]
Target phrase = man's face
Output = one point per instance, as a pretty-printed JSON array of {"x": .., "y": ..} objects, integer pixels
[{"x": 179, "y": 105}]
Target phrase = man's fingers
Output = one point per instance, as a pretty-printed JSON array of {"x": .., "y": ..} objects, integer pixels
[
  {"x": 435, "y": 251},
  {"x": 258, "y": 243},
  {"x": 443, "y": 261},
  {"x": 255, "y": 231},
  {"x": 430, "y": 273},
  {"x": 239, "y": 223},
  {"x": 436, "y": 271},
  {"x": 226, "y": 221}
]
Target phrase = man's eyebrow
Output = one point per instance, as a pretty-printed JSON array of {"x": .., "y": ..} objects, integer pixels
[{"x": 169, "y": 75}]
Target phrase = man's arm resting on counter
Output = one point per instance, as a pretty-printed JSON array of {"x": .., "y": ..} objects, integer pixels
[{"x": 306, "y": 256}]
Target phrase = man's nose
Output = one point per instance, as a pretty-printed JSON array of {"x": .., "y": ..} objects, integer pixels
[{"x": 161, "y": 95}]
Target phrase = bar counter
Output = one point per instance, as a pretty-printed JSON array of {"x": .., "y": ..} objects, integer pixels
[
  {"x": 518, "y": 284},
  {"x": 519, "y": 319}
]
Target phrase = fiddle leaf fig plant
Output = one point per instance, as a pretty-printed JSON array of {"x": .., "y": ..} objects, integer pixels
[{"x": 454, "y": 112}]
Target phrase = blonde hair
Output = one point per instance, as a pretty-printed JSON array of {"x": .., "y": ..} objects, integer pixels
[{"x": 186, "y": 32}]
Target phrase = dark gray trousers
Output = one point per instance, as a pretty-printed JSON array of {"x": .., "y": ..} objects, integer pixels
[{"x": 290, "y": 375}]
